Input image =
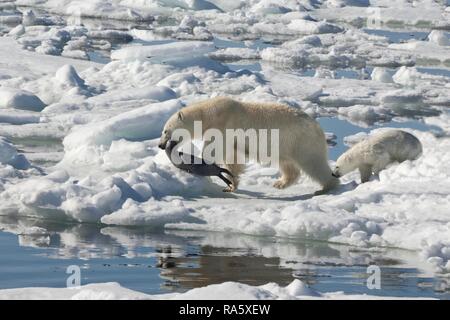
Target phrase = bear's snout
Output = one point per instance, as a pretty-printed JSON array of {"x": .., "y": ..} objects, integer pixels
[
  {"x": 336, "y": 174},
  {"x": 162, "y": 146}
]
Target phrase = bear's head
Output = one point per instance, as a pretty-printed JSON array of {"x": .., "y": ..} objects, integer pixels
[
  {"x": 177, "y": 121},
  {"x": 344, "y": 164}
]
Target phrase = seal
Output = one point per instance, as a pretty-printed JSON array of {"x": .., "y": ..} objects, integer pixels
[{"x": 195, "y": 165}]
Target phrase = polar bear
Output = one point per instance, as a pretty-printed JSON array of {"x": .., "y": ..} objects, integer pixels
[
  {"x": 376, "y": 152},
  {"x": 302, "y": 144}
]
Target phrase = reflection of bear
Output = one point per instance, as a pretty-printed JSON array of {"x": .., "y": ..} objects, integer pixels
[
  {"x": 302, "y": 144},
  {"x": 376, "y": 152}
]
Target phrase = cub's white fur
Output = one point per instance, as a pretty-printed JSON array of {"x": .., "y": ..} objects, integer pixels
[{"x": 374, "y": 154}]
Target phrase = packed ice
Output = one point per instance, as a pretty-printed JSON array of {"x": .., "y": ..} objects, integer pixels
[
  {"x": 105, "y": 116},
  {"x": 297, "y": 290}
]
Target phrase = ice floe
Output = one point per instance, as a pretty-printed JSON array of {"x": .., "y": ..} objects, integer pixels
[
  {"x": 20, "y": 99},
  {"x": 162, "y": 50},
  {"x": 224, "y": 291},
  {"x": 10, "y": 156},
  {"x": 106, "y": 118}
]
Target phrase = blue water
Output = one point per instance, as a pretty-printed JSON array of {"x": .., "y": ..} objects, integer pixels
[
  {"x": 435, "y": 71},
  {"x": 132, "y": 257},
  {"x": 398, "y": 36},
  {"x": 253, "y": 67}
]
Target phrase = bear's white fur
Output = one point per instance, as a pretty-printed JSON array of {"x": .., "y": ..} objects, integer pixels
[
  {"x": 302, "y": 143},
  {"x": 374, "y": 154}
]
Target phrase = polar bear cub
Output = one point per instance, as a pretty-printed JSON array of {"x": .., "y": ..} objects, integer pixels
[
  {"x": 302, "y": 143},
  {"x": 374, "y": 154}
]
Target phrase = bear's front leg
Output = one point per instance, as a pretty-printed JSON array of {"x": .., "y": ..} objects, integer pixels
[
  {"x": 236, "y": 170},
  {"x": 365, "y": 171}
]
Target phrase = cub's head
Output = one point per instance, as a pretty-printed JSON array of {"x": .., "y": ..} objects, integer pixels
[
  {"x": 177, "y": 121},
  {"x": 344, "y": 164}
]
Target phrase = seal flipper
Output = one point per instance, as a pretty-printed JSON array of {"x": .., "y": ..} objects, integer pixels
[
  {"x": 198, "y": 166},
  {"x": 224, "y": 179},
  {"x": 223, "y": 170}
]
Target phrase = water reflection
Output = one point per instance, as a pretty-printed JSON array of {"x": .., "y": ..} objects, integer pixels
[{"x": 179, "y": 260}]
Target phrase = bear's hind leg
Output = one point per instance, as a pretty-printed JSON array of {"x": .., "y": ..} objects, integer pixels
[
  {"x": 289, "y": 175},
  {"x": 318, "y": 169},
  {"x": 236, "y": 170}
]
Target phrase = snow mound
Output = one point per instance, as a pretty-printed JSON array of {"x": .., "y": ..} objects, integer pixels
[
  {"x": 404, "y": 102},
  {"x": 151, "y": 213},
  {"x": 198, "y": 5},
  {"x": 85, "y": 144},
  {"x": 269, "y": 7},
  {"x": 231, "y": 54},
  {"x": 156, "y": 93},
  {"x": 363, "y": 115},
  {"x": 17, "y": 31},
  {"x": 224, "y": 291},
  {"x": 68, "y": 76},
  {"x": 127, "y": 196},
  {"x": 104, "y": 9},
  {"x": 101, "y": 291},
  {"x": 191, "y": 29},
  {"x": 9, "y": 156},
  {"x": 312, "y": 27},
  {"x": 381, "y": 74},
  {"x": 309, "y": 52},
  {"x": 439, "y": 37},
  {"x": 20, "y": 99}
]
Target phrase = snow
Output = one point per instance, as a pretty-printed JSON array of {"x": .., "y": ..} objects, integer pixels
[
  {"x": 161, "y": 213},
  {"x": 381, "y": 74},
  {"x": 269, "y": 7},
  {"x": 140, "y": 124},
  {"x": 363, "y": 114},
  {"x": 98, "y": 9},
  {"x": 439, "y": 37},
  {"x": 230, "y": 54},
  {"x": 428, "y": 51},
  {"x": 296, "y": 290},
  {"x": 31, "y": 64},
  {"x": 9, "y": 156},
  {"x": 20, "y": 99},
  {"x": 67, "y": 76},
  {"x": 312, "y": 27},
  {"x": 162, "y": 50},
  {"x": 107, "y": 117},
  {"x": 157, "y": 93},
  {"x": 400, "y": 13},
  {"x": 18, "y": 117}
]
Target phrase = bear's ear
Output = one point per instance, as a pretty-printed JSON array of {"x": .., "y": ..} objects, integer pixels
[{"x": 180, "y": 116}]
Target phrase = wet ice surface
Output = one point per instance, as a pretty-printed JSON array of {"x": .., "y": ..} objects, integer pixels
[{"x": 92, "y": 155}]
